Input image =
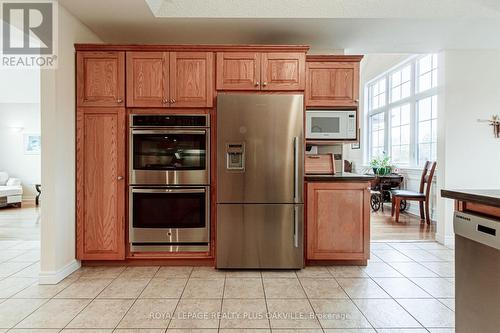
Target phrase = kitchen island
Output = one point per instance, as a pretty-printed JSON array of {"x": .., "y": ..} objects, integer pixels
[
  {"x": 486, "y": 202},
  {"x": 338, "y": 218}
]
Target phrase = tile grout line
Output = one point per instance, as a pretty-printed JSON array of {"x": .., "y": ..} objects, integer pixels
[
  {"x": 352, "y": 301},
  {"x": 180, "y": 297},
  {"x": 265, "y": 301},
  {"x": 91, "y": 299},
  {"x": 222, "y": 301},
  {"x": 309, "y": 301},
  {"x": 396, "y": 300},
  {"x": 136, "y": 299}
]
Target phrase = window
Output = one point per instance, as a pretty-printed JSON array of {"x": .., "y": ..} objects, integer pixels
[
  {"x": 377, "y": 134},
  {"x": 377, "y": 94},
  {"x": 402, "y": 112},
  {"x": 400, "y": 134},
  {"x": 400, "y": 84},
  {"x": 427, "y": 72},
  {"x": 427, "y": 129}
]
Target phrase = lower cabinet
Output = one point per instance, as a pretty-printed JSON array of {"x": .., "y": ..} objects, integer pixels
[
  {"x": 100, "y": 184},
  {"x": 338, "y": 221}
]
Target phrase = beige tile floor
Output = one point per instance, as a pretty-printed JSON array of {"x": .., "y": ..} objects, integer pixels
[{"x": 408, "y": 287}]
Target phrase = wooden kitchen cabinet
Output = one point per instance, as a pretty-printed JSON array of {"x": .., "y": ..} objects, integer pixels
[
  {"x": 100, "y": 185},
  {"x": 332, "y": 81},
  {"x": 191, "y": 79},
  {"x": 283, "y": 71},
  {"x": 338, "y": 221},
  {"x": 238, "y": 71},
  {"x": 169, "y": 79},
  {"x": 101, "y": 79},
  {"x": 147, "y": 79},
  {"x": 260, "y": 71}
]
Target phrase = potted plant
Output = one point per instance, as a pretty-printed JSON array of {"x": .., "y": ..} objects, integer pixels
[{"x": 381, "y": 165}]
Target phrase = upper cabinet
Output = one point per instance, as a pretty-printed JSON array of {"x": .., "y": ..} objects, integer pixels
[
  {"x": 147, "y": 79},
  {"x": 260, "y": 71},
  {"x": 191, "y": 79},
  {"x": 169, "y": 79},
  {"x": 101, "y": 79},
  {"x": 238, "y": 70},
  {"x": 332, "y": 81}
]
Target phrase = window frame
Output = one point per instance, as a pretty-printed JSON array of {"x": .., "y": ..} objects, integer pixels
[{"x": 412, "y": 100}]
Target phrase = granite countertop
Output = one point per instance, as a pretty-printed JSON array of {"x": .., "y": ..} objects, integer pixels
[
  {"x": 339, "y": 176},
  {"x": 485, "y": 197}
]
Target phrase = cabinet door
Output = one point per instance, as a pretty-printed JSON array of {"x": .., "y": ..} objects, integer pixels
[
  {"x": 191, "y": 79},
  {"x": 147, "y": 79},
  {"x": 283, "y": 71},
  {"x": 338, "y": 217},
  {"x": 332, "y": 84},
  {"x": 100, "y": 78},
  {"x": 238, "y": 71},
  {"x": 100, "y": 185}
]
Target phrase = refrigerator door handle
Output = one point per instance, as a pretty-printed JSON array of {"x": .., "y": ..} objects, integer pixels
[
  {"x": 296, "y": 226},
  {"x": 296, "y": 169}
]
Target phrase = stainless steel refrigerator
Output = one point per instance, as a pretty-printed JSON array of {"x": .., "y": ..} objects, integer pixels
[{"x": 260, "y": 173}]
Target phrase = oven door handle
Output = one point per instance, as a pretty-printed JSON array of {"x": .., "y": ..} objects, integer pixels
[
  {"x": 168, "y": 190},
  {"x": 165, "y": 131}
]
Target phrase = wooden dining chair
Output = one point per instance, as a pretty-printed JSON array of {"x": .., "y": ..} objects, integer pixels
[{"x": 421, "y": 196}]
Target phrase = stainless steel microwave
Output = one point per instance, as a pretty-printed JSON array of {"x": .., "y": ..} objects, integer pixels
[{"x": 331, "y": 124}]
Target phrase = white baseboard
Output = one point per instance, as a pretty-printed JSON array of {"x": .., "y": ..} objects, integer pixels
[{"x": 54, "y": 277}]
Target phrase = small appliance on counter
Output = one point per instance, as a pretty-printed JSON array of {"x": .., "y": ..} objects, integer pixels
[
  {"x": 169, "y": 192},
  {"x": 320, "y": 164}
]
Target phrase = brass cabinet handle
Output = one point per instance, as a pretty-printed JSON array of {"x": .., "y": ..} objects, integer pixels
[
  {"x": 164, "y": 101},
  {"x": 257, "y": 83},
  {"x": 264, "y": 84},
  {"x": 172, "y": 101},
  {"x": 119, "y": 100},
  {"x": 120, "y": 178}
]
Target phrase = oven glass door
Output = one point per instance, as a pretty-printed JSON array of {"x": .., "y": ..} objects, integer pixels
[
  {"x": 169, "y": 150},
  {"x": 169, "y": 215},
  {"x": 167, "y": 157}
]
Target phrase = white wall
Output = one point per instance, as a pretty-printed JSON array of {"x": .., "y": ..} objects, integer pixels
[
  {"x": 26, "y": 117},
  {"x": 58, "y": 158},
  {"x": 468, "y": 155}
]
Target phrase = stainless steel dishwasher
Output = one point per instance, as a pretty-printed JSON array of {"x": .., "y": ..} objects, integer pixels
[{"x": 477, "y": 273}]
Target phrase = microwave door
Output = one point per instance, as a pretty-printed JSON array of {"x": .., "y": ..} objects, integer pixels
[{"x": 325, "y": 126}]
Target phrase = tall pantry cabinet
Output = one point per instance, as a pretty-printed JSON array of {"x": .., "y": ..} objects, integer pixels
[{"x": 100, "y": 163}]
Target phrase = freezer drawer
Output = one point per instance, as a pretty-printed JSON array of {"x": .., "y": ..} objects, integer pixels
[{"x": 260, "y": 236}]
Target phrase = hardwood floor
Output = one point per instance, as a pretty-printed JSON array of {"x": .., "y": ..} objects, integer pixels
[
  {"x": 20, "y": 223},
  {"x": 409, "y": 227}
]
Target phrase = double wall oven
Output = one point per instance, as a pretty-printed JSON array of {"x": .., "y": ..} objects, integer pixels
[{"x": 169, "y": 194}]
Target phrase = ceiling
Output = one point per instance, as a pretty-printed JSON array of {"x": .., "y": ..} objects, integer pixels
[{"x": 357, "y": 26}]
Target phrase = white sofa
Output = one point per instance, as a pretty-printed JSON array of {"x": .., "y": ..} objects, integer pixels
[{"x": 11, "y": 191}]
